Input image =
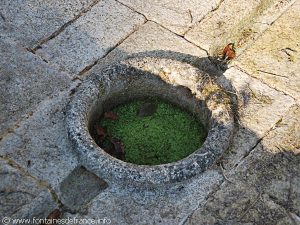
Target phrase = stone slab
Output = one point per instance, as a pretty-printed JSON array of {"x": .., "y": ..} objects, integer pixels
[
  {"x": 153, "y": 40},
  {"x": 177, "y": 15},
  {"x": 275, "y": 56},
  {"x": 259, "y": 109},
  {"x": 41, "y": 145},
  {"x": 161, "y": 205},
  {"x": 92, "y": 36},
  {"x": 21, "y": 193},
  {"x": 24, "y": 82},
  {"x": 79, "y": 188},
  {"x": 263, "y": 189},
  {"x": 30, "y": 21},
  {"x": 260, "y": 106},
  {"x": 239, "y": 22}
]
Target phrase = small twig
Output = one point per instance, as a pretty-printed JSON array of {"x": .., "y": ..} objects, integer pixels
[
  {"x": 191, "y": 16},
  {"x": 223, "y": 173},
  {"x": 249, "y": 207},
  {"x": 273, "y": 74},
  {"x": 230, "y": 92}
]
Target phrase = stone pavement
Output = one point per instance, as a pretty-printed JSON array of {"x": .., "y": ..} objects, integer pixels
[{"x": 48, "y": 48}]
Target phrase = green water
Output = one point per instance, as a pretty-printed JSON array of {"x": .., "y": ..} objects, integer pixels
[{"x": 168, "y": 135}]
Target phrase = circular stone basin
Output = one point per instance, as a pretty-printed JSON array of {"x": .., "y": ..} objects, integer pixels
[{"x": 175, "y": 82}]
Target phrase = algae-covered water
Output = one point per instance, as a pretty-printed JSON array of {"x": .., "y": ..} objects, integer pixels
[{"x": 159, "y": 134}]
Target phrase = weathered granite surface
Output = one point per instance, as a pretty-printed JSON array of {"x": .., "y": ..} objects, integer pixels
[
  {"x": 25, "y": 81},
  {"x": 239, "y": 22},
  {"x": 257, "y": 179},
  {"x": 278, "y": 65},
  {"x": 176, "y": 15},
  {"x": 31, "y": 21},
  {"x": 92, "y": 36},
  {"x": 22, "y": 196},
  {"x": 264, "y": 187}
]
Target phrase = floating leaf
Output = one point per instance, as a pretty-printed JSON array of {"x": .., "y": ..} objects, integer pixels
[
  {"x": 101, "y": 132},
  {"x": 119, "y": 150},
  {"x": 110, "y": 115},
  {"x": 148, "y": 109}
]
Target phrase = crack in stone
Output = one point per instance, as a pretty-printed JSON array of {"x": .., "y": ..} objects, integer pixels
[
  {"x": 251, "y": 43},
  {"x": 90, "y": 66},
  {"x": 204, "y": 16},
  {"x": 143, "y": 15},
  {"x": 212, "y": 193},
  {"x": 274, "y": 88},
  {"x": 63, "y": 27}
]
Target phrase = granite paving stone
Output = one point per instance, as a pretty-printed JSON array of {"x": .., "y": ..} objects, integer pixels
[
  {"x": 161, "y": 205},
  {"x": 177, "y": 15},
  {"x": 256, "y": 101},
  {"x": 30, "y": 21},
  {"x": 239, "y": 22},
  {"x": 264, "y": 187},
  {"x": 40, "y": 144},
  {"x": 20, "y": 193},
  {"x": 92, "y": 36},
  {"x": 154, "y": 40},
  {"x": 48, "y": 47},
  {"x": 274, "y": 58},
  {"x": 25, "y": 81}
]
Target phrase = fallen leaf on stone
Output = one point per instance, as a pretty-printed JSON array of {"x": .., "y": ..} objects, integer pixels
[
  {"x": 110, "y": 115},
  {"x": 55, "y": 214},
  {"x": 228, "y": 52},
  {"x": 148, "y": 109}
]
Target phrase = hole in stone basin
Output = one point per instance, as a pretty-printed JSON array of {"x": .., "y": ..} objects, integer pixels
[{"x": 149, "y": 131}]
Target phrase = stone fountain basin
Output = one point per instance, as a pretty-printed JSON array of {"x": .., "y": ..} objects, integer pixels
[{"x": 179, "y": 83}]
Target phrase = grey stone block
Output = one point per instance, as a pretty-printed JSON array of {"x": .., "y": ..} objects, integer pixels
[
  {"x": 80, "y": 187},
  {"x": 156, "y": 41},
  {"x": 92, "y": 36},
  {"x": 30, "y": 21},
  {"x": 40, "y": 144},
  {"x": 25, "y": 81},
  {"x": 22, "y": 196},
  {"x": 176, "y": 15}
]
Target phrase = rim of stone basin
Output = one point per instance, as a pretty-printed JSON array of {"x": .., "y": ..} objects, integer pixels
[{"x": 174, "y": 81}]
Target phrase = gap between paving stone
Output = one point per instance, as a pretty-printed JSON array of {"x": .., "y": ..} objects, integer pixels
[
  {"x": 178, "y": 17},
  {"x": 214, "y": 44},
  {"x": 262, "y": 81},
  {"x": 91, "y": 36},
  {"x": 203, "y": 18},
  {"x": 29, "y": 21},
  {"x": 18, "y": 145},
  {"x": 32, "y": 208},
  {"x": 63, "y": 27},
  {"x": 18, "y": 96},
  {"x": 89, "y": 67}
]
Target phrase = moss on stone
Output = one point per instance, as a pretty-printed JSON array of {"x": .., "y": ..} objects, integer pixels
[{"x": 170, "y": 134}]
